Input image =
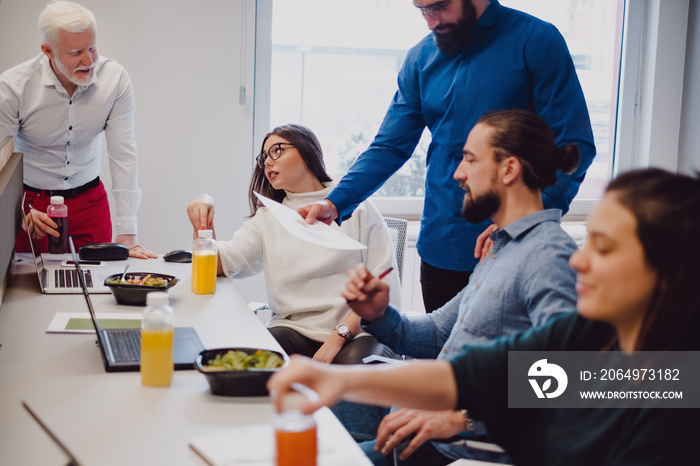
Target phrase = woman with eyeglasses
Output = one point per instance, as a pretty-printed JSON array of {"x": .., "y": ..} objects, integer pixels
[
  {"x": 637, "y": 285},
  {"x": 303, "y": 280}
]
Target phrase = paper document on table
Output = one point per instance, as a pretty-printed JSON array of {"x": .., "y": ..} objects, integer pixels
[
  {"x": 254, "y": 445},
  {"x": 317, "y": 233},
  {"x": 80, "y": 322}
]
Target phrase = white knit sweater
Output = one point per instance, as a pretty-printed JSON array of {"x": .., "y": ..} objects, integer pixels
[{"x": 304, "y": 280}]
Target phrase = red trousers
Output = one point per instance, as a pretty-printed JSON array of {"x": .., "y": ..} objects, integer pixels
[{"x": 89, "y": 220}]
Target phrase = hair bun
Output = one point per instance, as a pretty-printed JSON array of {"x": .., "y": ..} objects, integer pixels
[{"x": 568, "y": 158}]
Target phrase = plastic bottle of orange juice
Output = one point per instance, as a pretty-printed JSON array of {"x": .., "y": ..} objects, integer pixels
[
  {"x": 157, "y": 341},
  {"x": 295, "y": 433},
  {"x": 204, "y": 256}
]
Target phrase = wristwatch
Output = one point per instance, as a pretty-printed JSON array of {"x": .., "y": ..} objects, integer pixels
[
  {"x": 344, "y": 331},
  {"x": 468, "y": 422}
]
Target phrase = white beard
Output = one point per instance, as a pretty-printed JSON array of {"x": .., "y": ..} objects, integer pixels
[{"x": 71, "y": 74}]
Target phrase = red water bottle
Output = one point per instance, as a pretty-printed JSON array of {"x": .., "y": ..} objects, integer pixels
[{"x": 58, "y": 212}]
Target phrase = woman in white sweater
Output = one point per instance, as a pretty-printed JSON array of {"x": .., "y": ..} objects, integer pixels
[{"x": 303, "y": 280}]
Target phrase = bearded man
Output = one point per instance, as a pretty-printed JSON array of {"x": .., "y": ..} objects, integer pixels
[
  {"x": 509, "y": 158},
  {"x": 480, "y": 57},
  {"x": 57, "y": 106}
]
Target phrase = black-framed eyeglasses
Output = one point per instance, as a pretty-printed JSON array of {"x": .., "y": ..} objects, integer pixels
[
  {"x": 434, "y": 10},
  {"x": 274, "y": 152}
]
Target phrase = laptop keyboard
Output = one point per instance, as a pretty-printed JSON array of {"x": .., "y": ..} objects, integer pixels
[
  {"x": 126, "y": 345},
  {"x": 69, "y": 278}
]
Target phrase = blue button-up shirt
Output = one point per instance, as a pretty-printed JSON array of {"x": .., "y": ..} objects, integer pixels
[
  {"x": 524, "y": 281},
  {"x": 513, "y": 61}
]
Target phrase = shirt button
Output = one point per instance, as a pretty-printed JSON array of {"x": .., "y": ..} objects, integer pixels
[
  {"x": 461, "y": 319},
  {"x": 477, "y": 286},
  {"x": 65, "y": 178},
  {"x": 70, "y": 102},
  {"x": 495, "y": 255},
  {"x": 70, "y": 128},
  {"x": 68, "y": 144},
  {"x": 67, "y": 162}
]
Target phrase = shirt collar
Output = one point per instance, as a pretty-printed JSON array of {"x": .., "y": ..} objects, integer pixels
[
  {"x": 526, "y": 223},
  {"x": 312, "y": 196},
  {"x": 48, "y": 77},
  {"x": 488, "y": 19}
]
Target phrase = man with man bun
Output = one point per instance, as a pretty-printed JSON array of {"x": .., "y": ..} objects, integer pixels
[{"x": 509, "y": 158}]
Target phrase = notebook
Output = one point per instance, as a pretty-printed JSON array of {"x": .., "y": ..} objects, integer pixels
[
  {"x": 121, "y": 348},
  {"x": 55, "y": 278}
]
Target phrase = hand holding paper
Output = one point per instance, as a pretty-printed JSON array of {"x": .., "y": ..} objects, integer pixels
[{"x": 317, "y": 233}]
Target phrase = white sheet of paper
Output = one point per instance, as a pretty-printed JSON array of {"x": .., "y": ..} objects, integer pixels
[{"x": 317, "y": 233}]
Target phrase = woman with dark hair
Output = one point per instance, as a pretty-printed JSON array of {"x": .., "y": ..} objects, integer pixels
[
  {"x": 633, "y": 294},
  {"x": 303, "y": 280}
]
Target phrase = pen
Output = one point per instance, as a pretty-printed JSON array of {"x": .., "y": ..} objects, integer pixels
[
  {"x": 382, "y": 275},
  {"x": 385, "y": 273}
]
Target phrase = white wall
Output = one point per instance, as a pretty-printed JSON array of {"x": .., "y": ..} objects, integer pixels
[
  {"x": 193, "y": 136},
  {"x": 689, "y": 143}
]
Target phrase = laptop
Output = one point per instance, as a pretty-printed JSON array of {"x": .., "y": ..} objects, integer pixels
[
  {"x": 55, "y": 278},
  {"x": 121, "y": 348}
]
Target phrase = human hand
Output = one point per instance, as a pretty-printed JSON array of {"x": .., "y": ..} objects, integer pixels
[
  {"x": 40, "y": 224},
  {"x": 330, "y": 348},
  {"x": 135, "y": 249},
  {"x": 323, "y": 211},
  {"x": 398, "y": 426},
  {"x": 329, "y": 383},
  {"x": 484, "y": 244},
  {"x": 200, "y": 211},
  {"x": 365, "y": 294}
]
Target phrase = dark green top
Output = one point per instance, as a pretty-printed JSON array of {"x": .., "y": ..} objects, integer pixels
[{"x": 569, "y": 437}]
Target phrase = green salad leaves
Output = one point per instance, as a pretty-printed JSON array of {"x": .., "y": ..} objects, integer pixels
[{"x": 240, "y": 361}]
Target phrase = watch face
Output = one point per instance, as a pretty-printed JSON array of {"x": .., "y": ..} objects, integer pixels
[{"x": 343, "y": 329}]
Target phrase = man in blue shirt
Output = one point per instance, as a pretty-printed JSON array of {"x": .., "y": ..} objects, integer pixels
[
  {"x": 508, "y": 159},
  {"x": 480, "y": 57}
]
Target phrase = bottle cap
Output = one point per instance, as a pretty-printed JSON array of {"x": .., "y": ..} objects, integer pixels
[
  {"x": 56, "y": 200},
  {"x": 204, "y": 233},
  {"x": 156, "y": 298}
]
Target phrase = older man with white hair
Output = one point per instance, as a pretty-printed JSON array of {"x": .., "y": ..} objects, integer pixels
[{"x": 57, "y": 106}]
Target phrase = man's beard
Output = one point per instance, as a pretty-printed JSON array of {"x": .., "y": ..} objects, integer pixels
[
  {"x": 456, "y": 36},
  {"x": 72, "y": 77},
  {"x": 477, "y": 209}
]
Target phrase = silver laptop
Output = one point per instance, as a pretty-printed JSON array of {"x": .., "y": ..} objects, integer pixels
[{"x": 56, "y": 278}]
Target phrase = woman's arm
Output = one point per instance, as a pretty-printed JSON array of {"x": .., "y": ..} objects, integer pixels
[
  {"x": 420, "y": 384},
  {"x": 335, "y": 342}
]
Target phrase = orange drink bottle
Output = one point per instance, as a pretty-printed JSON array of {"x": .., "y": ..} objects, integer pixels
[
  {"x": 295, "y": 434},
  {"x": 157, "y": 341},
  {"x": 204, "y": 257}
]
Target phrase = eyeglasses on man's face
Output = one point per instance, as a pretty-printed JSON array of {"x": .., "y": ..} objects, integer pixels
[
  {"x": 274, "y": 152},
  {"x": 434, "y": 10}
]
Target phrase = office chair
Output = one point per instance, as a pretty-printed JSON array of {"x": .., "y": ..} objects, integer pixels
[{"x": 397, "y": 229}]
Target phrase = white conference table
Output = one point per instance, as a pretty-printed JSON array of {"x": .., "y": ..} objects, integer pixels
[{"x": 110, "y": 418}]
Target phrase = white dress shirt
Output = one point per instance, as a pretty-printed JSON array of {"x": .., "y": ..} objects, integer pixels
[{"x": 61, "y": 136}]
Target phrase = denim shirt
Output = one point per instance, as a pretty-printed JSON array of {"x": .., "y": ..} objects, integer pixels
[
  {"x": 513, "y": 61},
  {"x": 525, "y": 280}
]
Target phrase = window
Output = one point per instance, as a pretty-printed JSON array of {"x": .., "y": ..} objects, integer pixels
[{"x": 334, "y": 66}]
